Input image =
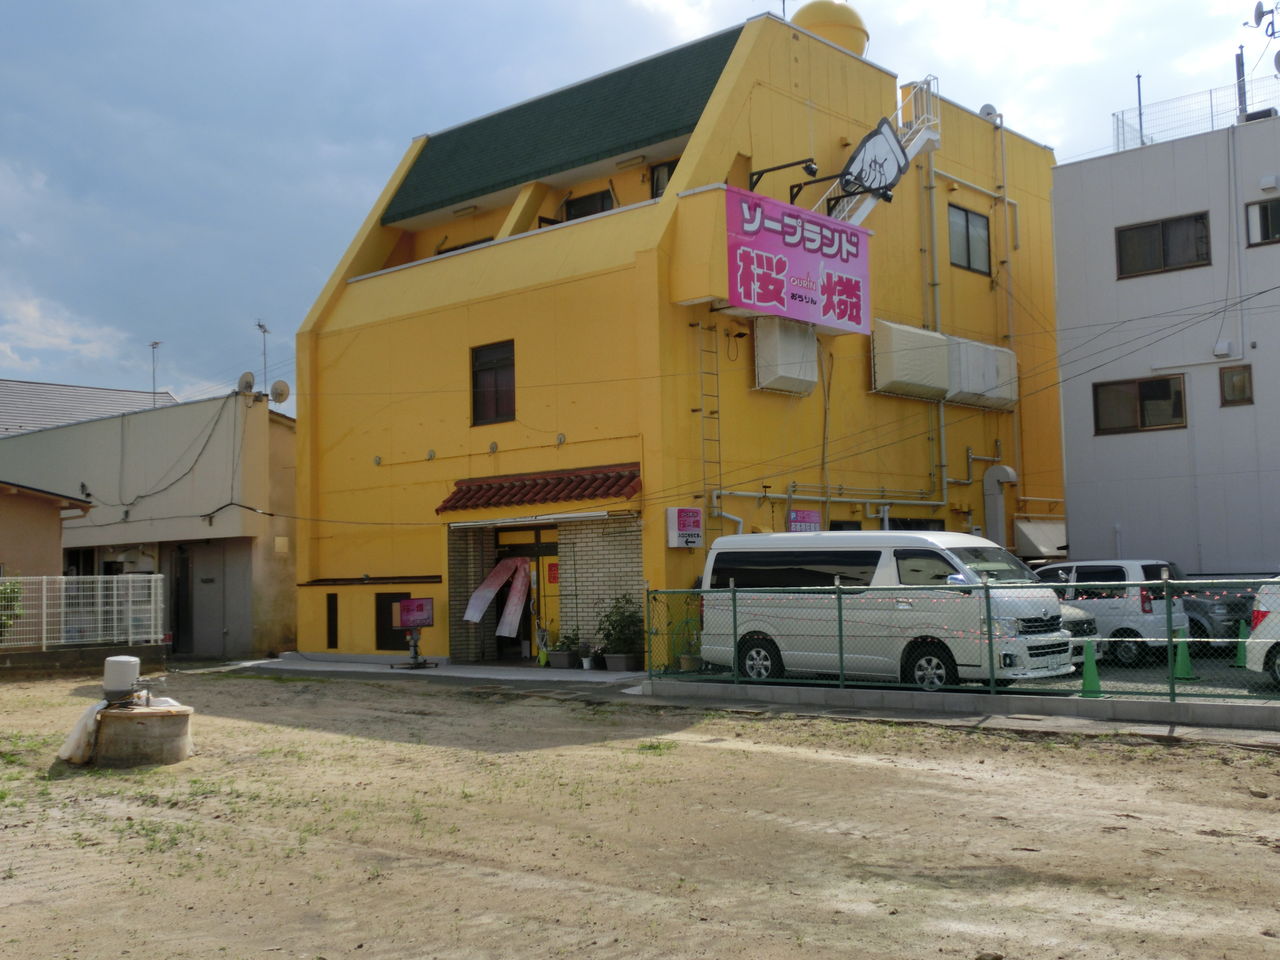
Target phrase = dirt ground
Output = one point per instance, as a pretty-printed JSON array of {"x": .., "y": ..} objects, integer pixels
[{"x": 407, "y": 819}]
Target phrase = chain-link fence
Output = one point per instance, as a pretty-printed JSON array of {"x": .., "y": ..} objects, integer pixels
[
  {"x": 37, "y": 613},
  {"x": 1081, "y": 639},
  {"x": 1188, "y": 115}
]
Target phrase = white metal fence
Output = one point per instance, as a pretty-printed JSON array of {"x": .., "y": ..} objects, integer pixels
[{"x": 37, "y": 613}]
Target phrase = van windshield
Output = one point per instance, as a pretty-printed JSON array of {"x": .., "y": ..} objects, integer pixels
[{"x": 996, "y": 562}]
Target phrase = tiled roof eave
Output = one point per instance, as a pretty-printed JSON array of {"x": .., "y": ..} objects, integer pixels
[{"x": 619, "y": 482}]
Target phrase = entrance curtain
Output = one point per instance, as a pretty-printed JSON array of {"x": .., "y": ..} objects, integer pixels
[{"x": 515, "y": 569}]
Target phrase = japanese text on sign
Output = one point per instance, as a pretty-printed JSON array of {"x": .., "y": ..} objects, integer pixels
[
  {"x": 684, "y": 526},
  {"x": 789, "y": 262}
]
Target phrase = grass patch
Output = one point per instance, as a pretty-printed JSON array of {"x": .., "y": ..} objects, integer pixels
[{"x": 656, "y": 746}]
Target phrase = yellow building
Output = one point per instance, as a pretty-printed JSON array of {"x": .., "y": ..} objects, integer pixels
[{"x": 542, "y": 344}]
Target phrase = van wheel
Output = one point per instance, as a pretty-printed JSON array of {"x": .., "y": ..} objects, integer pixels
[
  {"x": 758, "y": 658},
  {"x": 1127, "y": 652},
  {"x": 929, "y": 666}
]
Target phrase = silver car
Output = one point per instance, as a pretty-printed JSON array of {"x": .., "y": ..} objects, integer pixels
[{"x": 1126, "y": 598}]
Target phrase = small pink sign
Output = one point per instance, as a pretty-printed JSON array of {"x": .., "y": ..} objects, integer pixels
[
  {"x": 804, "y": 521},
  {"x": 416, "y": 612},
  {"x": 788, "y": 262}
]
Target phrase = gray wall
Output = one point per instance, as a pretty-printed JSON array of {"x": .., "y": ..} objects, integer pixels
[{"x": 1204, "y": 496}]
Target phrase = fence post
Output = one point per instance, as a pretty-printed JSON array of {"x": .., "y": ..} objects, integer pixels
[
  {"x": 1168, "y": 633},
  {"x": 840, "y": 627},
  {"x": 733, "y": 637},
  {"x": 991, "y": 634},
  {"x": 44, "y": 613},
  {"x": 648, "y": 634}
]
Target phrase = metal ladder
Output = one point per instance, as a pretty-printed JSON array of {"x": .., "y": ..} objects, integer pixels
[
  {"x": 923, "y": 134},
  {"x": 709, "y": 420}
]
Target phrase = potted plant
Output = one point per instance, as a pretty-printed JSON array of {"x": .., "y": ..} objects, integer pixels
[
  {"x": 691, "y": 658},
  {"x": 621, "y": 629},
  {"x": 563, "y": 654}
]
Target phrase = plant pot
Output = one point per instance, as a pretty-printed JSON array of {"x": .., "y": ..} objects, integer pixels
[
  {"x": 564, "y": 659},
  {"x": 632, "y": 662},
  {"x": 690, "y": 663},
  {"x": 592, "y": 663}
]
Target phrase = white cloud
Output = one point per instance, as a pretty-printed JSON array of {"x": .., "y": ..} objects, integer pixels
[{"x": 33, "y": 330}]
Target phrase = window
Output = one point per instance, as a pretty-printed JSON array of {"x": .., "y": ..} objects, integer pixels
[
  {"x": 922, "y": 568},
  {"x": 331, "y": 621},
  {"x": 794, "y": 568},
  {"x": 660, "y": 176},
  {"x": 1235, "y": 384},
  {"x": 493, "y": 383},
  {"x": 970, "y": 246},
  {"x": 1162, "y": 245},
  {"x": 1127, "y": 406},
  {"x": 1086, "y": 574},
  {"x": 1264, "y": 222},
  {"x": 588, "y": 204},
  {"x": 387, "y": 637}
]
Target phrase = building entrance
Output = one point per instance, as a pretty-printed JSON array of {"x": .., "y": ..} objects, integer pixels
[{"x": 540, "y": 621}]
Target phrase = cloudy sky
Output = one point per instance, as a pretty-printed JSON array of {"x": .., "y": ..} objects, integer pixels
[{"x": 178, "y": 171}]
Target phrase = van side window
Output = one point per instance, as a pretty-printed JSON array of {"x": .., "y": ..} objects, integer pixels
[
  {"x": 921, "y": 568},
  {"x": 794, "y": 568},
  {"x": 1099, "y": 574}
]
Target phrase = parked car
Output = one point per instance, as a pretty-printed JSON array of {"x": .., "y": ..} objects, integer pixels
[
  {"x": 770, "y": 608},
  {"x": 1216, "y": 614},
  {"x": 1262, "y": 652},
  {"x": 1131, "y": 615},
  {"x": 1082, "y": 626}
]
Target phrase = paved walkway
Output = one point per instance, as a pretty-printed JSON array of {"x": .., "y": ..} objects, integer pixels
[{"x": 603, "y": 686}]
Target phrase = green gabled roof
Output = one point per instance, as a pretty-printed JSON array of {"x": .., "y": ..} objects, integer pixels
[{"x": 645, "y": 103}]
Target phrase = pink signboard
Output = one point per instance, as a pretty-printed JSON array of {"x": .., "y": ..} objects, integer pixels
[
  {"x": 416, "y": 612},
  {"x": 788, "y": 262},
  {"x": 804, "y": 520}
]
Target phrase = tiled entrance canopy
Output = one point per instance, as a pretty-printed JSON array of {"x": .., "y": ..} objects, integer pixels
[{"x": 620, "y": 481}]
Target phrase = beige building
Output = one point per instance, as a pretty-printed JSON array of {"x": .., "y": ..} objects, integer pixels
[
  {"x": 201, "y": 492},
  {"x": 31, "y": 530}
]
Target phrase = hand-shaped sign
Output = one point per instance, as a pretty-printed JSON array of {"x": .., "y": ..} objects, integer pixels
[{"x": 877, "y": 164}]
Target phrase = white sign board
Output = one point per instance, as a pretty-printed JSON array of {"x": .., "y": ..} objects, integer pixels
[{"x": 684, "y": 526}]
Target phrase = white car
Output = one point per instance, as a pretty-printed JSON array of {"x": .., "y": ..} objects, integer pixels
[
  {"x": 1132, "y": 618},
  {"x": 1262, "y": 651},
  {"x": 1081, "y": 625}
]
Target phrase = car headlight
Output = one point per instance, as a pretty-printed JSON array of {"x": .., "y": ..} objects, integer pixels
[{"x": 1004, "y": 626}]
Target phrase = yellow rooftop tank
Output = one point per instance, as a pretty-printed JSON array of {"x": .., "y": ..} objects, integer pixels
[{"x": 837, "y": 22}]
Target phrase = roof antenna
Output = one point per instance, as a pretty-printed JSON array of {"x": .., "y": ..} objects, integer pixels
[
  {"x": 154, "y": 345},
  {"x": 263, "y": 327}
]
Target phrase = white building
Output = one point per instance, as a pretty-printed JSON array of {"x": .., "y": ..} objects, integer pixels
[
  {"x": 201, "y": 492},
  {"x": 1168, "y": 276}
]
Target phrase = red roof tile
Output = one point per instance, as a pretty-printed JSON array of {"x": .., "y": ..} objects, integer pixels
[{"x": 621, "y": 481}]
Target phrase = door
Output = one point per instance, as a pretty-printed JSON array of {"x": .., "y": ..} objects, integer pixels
[
  {"x": 540, "y": 545},
  {"x": 547, "y": 602},
  {"x": 208, "y": 600},
  {"x": 951, "y": 614},
  {"x": 1110, "y": 606}
]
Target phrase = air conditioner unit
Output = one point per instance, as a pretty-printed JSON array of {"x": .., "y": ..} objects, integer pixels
[{"x": 1263, "y": 114}]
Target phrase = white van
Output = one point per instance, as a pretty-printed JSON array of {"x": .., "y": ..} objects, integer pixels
[{"x": 770, "y": 603}]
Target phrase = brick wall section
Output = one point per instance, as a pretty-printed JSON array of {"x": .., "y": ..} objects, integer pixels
[
  {"x": 599, "y": 560},
  {"x": 471, "y": 557}
]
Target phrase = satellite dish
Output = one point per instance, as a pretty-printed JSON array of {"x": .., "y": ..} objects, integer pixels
[
  {"x": 1276, "y": 63},
  {"x": 279, "y": 392},
  {"x": 1259, "y": 11},
  {"x": 988, "y": 112},
  {"x": 245, "y": 383}
]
